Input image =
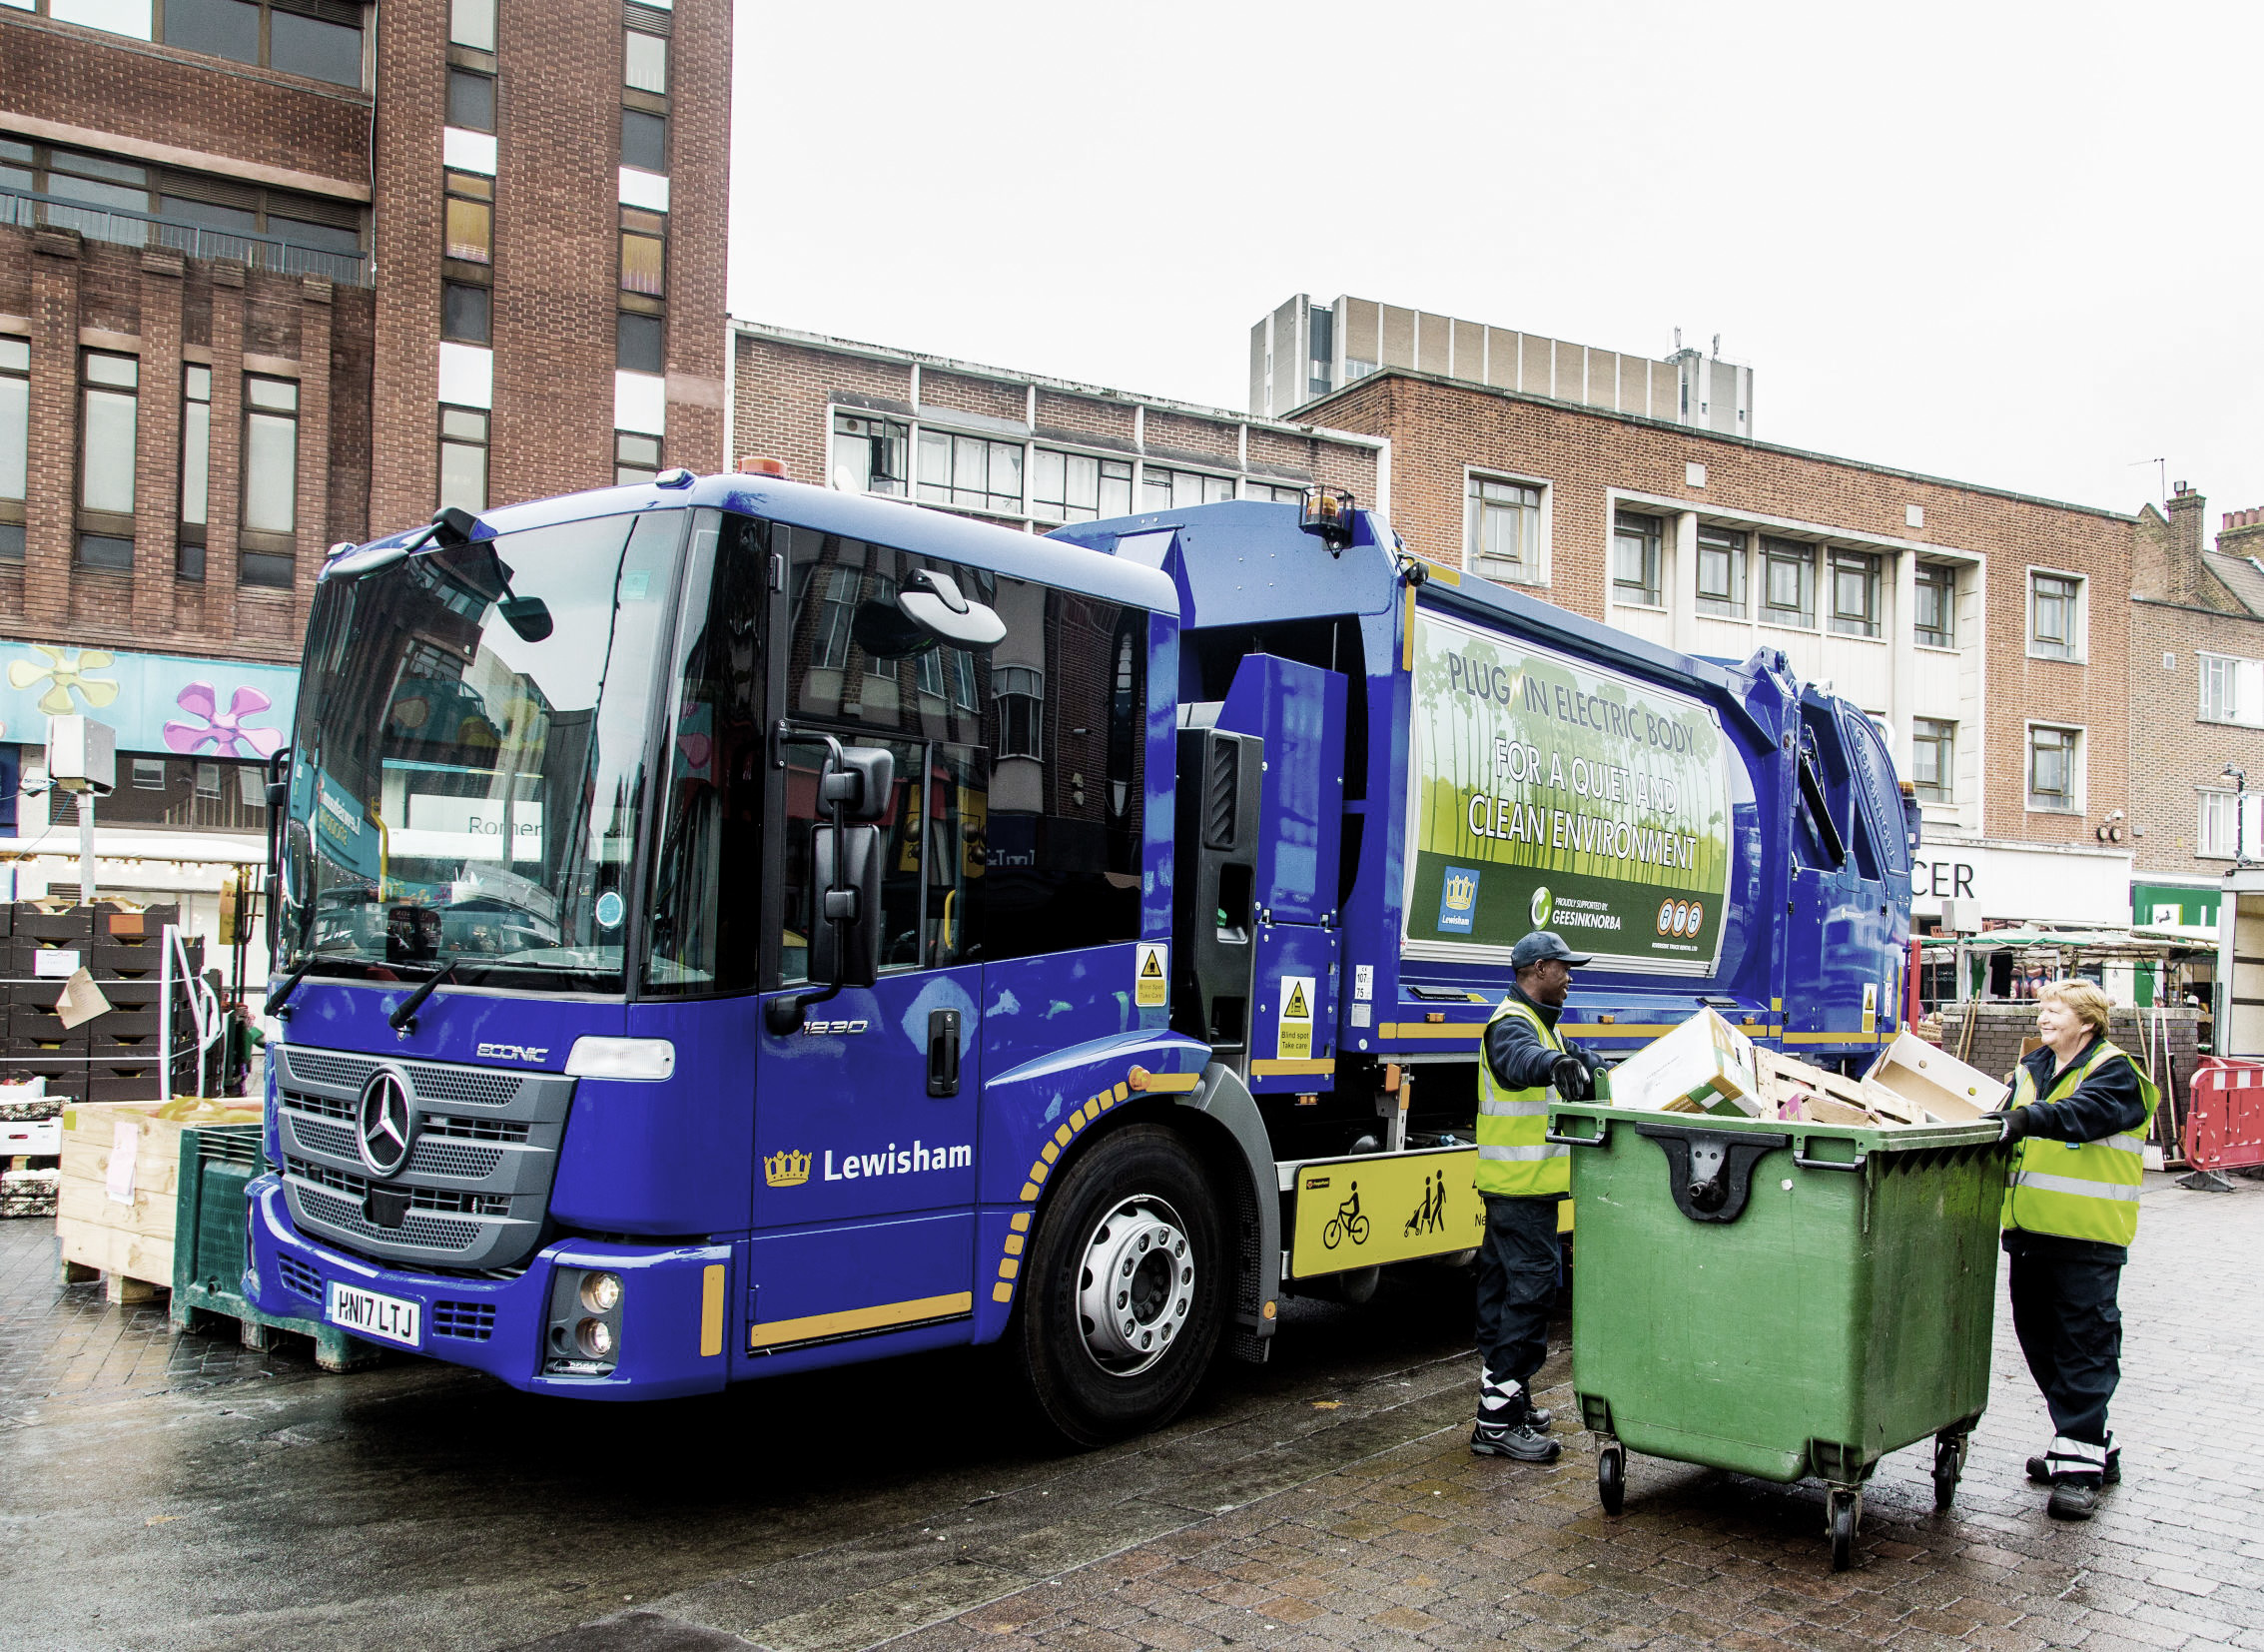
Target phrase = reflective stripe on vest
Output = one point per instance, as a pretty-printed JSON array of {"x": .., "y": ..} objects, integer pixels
[
  {"x": 1515, "y": 1157},
  {"x": 2079, "y": 1189}
]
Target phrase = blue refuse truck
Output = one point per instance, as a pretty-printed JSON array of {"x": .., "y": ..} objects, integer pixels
[{"x": 728, "y": 927}]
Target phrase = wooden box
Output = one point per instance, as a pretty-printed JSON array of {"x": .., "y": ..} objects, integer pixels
[{"x": 120, "y": 1176}]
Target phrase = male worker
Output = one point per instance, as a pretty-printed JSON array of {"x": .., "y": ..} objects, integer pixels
[
  {"x": 2080, "y": 1112},
  {"x": 1522, "y": 1178}
]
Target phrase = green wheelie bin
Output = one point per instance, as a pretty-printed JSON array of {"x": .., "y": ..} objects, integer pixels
[{"x": 1780, "y": 1299}]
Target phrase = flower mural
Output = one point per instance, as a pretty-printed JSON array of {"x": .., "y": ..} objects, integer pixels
[
  {"x": 65, "y": 673},
  {"x": 223, "y": 731}
]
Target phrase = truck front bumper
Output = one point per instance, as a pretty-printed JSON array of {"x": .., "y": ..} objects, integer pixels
[{"x": 671, "y": 1325}]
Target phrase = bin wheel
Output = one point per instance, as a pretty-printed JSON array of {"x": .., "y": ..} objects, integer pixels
[
  {"x": 1611, "y": 1476},
  {"x": 1842, "y": 1510},
  {"x": 1948, "y": 1467}
]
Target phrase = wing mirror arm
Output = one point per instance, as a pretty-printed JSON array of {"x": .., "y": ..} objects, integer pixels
[{"x": 854, "y": 788}]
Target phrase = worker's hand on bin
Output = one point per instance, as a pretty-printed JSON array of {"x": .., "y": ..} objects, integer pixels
[
  {"x": 2015, "y": 1121},
  {"x": 1570, "y": 1075}
]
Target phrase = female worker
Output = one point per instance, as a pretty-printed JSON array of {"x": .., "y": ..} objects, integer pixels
[{"x": 2080, "y": 1112}]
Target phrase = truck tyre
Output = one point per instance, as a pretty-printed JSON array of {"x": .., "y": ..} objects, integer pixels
[{"x": 1127, "y": 1289}]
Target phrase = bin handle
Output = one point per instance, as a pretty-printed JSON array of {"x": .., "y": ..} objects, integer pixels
[
  {"x": 1602, "y": 1138},
  {"x": 1801, "y": 1159}
]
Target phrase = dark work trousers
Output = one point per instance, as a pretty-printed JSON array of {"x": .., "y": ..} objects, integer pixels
[
  {"x": 2064, "y": 1313},
  {"x": 1517, "y": 1285}
]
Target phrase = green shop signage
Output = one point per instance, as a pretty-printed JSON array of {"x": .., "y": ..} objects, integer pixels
[{"x": 1548, "y": 794}]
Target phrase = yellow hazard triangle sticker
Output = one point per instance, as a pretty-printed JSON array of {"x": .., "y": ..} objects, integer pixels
[{"x": 1297, "y": 1010}]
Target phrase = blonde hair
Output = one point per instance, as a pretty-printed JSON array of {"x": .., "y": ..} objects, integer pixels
[{"x": 2080, "y": 999}]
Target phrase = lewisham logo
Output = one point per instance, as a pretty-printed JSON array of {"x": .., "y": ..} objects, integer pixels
[
  {"x": 787, "y": 1170},
  {"x": 1458, "y": 900}
]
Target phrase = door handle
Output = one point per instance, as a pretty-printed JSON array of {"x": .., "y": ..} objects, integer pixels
[{"x": 943, "y": 1052}]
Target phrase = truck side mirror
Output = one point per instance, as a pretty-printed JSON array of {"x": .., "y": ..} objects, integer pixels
[
  {"x": 845, "y": 942},
  {"x": 933, "y": 601},
  {"x": 861, "y": 782}
]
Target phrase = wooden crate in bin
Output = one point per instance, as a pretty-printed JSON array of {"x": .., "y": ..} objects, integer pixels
[{"x": 120, "y": 1184}]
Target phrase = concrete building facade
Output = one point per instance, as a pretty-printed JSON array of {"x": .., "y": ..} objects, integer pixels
[
  {"x": 278, "y": 274},
  {"x": 1014, "y": 447}
]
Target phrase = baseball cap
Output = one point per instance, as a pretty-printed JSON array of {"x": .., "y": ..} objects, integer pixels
[{"x": 1542, "y": 945}]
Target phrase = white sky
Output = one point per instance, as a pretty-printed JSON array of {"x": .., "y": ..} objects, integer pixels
[{"x": 2005, "y": 242}]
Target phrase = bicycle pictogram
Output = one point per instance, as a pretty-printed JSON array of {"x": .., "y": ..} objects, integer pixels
[{"x": 1347, "y": 1219}]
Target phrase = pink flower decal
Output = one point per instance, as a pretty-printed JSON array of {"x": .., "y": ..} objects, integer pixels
[{"x": 223, "y": 730}]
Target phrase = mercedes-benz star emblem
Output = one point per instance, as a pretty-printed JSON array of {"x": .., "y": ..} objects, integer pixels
[{"x": 384, "y": 1122}]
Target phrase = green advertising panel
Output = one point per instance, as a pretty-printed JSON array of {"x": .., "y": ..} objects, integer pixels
[{"x": 1549, "y": 794}]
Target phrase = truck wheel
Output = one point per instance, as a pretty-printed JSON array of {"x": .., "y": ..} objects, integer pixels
[{"x": 1127, "y": 1289}]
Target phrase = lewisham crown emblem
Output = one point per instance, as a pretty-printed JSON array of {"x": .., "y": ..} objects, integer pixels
[
  {"x": 787, "y": 1170},
  {"x": 1461, "y": 891}
]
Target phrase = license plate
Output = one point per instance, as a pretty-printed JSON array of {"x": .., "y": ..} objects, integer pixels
[{"x": 365, "y": 1314}]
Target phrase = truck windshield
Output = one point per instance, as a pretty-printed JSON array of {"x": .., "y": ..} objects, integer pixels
[{"x": 461, "y": 792}]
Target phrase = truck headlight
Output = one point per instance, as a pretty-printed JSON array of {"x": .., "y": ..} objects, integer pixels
[
  {"x": 601, "y": 1292},
  {"x": 596, "y": 1338}
]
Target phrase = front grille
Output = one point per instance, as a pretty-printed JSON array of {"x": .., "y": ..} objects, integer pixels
[
  {"x": 428, "y": 1233},
  {"x": 494, "y": 1165},
  {"x": 297, "y": 1275},
  {"x": 444, "y": 1159},
  {"x": 466, "y": 1321}
]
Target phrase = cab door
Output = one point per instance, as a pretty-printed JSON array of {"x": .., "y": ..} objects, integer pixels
[{"x": 864, "y": 1118}]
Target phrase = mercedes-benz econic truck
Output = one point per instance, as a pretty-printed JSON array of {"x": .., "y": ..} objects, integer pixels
[{"x": 732, "y": 927}]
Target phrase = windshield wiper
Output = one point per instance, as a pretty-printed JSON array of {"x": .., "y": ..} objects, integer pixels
[
  {"x": 275, "y": 1005},
  {"x": 404, "y": 1018}
]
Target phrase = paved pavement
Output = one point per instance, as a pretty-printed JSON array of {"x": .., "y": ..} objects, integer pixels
[{"x": 1326, "y": 1500}]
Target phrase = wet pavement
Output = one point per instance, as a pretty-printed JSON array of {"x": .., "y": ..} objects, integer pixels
[{"x": 183, "y": 1493}]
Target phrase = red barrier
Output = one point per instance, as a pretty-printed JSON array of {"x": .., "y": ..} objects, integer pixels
[{"x": 2224, "y": 1128}]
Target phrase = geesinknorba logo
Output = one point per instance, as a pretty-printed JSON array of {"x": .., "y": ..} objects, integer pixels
[{"x": 1544, "y": 904}]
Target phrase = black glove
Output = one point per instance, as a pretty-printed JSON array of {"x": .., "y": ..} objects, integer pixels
[
  {"x": 2014, "y": 1122},
  {"x": 1570, "y": 1075}
]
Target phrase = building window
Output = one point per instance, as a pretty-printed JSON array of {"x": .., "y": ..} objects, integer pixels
[
  {"x": 635, "y": 457},
  {"x": 1721, "y": 553},
  {"x": 473, "y": 23},
  {"x": 320, "y": 39},
  {"x": 644, "y": 61},
  {"x": 1788, "y": 582},
  {"x": 111, "y": 551},
  {"x": 1934, "y": 759},
  {"x": 1079, "y": 487},
  {"x": 1635, "y": 558},
  {"x": 1855, "y": 593},
  {"x": 2055, "y": 780},
  {"x": 472, "y": 100},
  {"x": 467, "y": 313},
  {"x": 1501, "y": 528},
  {"x": 640, "y": 342},
  {"x": 269, "y": 569},
  {"x": 471, "y": 216},
  {"x": 644, "y": 140},
  {"x": 464, "y": 458},
  {"x": 645, "y": 245},
  {"x": 1937, "y": 619},
  {"x": 970, "y": 471},
  {"x": 107, "y": 430},
  {"x": 2219, "y": 820},
  {"x": 149, "y": 774},
  {"x": 270, "y": 456},
  {"x": 2233, "y": 690},
  {"x": 870, "y": 455},
  {"x": 1274, "y": 493},
  {"x": 1162, "y": 488},
  {"x": 195, "y": 470},
  {"x": 1354, "y": 368},
  {"x": 15, "y": 444},
  {"x": 2055, "y": 616},
  {"x": 1019, "y": 691}
]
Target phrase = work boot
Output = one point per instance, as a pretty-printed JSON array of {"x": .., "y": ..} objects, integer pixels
[
  {"x": 2074, "y": 1497},
  {"x": 1509, "y": 1402},
  {"x": 1520, "y": 1441},
  {"x": 2040, "y": 1469}
]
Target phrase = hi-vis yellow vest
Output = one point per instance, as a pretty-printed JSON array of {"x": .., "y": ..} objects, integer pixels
[
  {"x": 1515, "y": 1157},
  {"x": 2079, "y": 1189}
]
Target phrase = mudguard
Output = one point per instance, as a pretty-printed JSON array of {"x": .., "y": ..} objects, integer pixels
[{"x": 1256, "y": 1210}]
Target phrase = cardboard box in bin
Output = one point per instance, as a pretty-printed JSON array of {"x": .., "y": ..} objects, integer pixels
[
  {"x": 1704, "y": 1065},
  {"x": 1912, "y": 1077}
]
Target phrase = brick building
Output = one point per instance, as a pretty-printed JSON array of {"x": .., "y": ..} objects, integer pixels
[
  {"x": 276, "y": 273},
  {"x": 1986, "y": 630},
  {"x": 2196, "y": 705},
  {"x": 1014, "y": 447}
]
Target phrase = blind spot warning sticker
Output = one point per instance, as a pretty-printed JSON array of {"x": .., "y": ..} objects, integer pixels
[
  {"x": 1870, "y": 1006},
  {"x": 1295, "y": 1040},
  {"x": 1152, "y": 976}
]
